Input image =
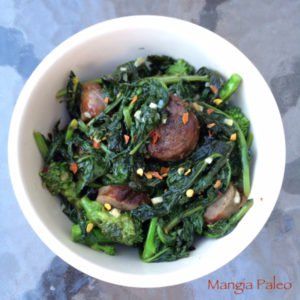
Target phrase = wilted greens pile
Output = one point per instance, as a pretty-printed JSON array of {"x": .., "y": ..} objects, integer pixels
[{"x": 154, "y": 156}]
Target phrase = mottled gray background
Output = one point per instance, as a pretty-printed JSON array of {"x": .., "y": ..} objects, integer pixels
[{"x": 267, "y": 31}]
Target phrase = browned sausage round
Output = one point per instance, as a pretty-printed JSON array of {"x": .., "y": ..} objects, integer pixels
[
  {"x": 92, "y": 101},
  {"x": 122, "y": 197},
  {"x": 225, "y": 206},
  {"x": 175, "y": 140}
]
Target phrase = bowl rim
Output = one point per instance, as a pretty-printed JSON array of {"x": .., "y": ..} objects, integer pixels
[{"x": 73, "y": 259}]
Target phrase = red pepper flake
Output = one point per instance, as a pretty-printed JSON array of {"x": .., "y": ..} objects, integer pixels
[
  {"x": 106, "y": 100},
  {"x": 164, "y": 170},
  {"x": 185, "y": 118},
  {"x": 156, "y": 175},
  {"x": 209, "y": 111},
  {"x": 96, "y": 144},
  {"x": 74, "y": 168},
  {"x": 126, "y": 138},
  {"x": 214, "y": 89},
  {"x": 134, "y": 99},
  {"x": 154, "y": 136}
]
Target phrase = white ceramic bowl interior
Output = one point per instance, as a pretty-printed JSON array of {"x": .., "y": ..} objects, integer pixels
[{"x": 98, "y": 50}]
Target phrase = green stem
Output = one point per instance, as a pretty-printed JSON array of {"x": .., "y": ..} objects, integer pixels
[
  {"x": 175, "y": 78},
  {"x": 72, "y": 126},
  {"x": 137, "y": 147},
  {"x": 180, "y": 217},
  {"x": 250, "y": 140},
  {"x": 41, "y": 144},
  {"x": 149, "y": 246},
  {"x": 230, "y": 86},
  {"x": 243, "y": 150}
]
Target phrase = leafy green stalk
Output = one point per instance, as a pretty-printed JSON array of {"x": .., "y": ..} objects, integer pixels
[
  {"x": 108, "y": 249},
  {"x": 242, "y": 147},
  {"x": 176, "y": 78},
  {"x": 177, "y": 219},
  {"x": 41, "y": 144},
  {"x": 230, "y": 86},
  {"x": 72, "y": 126},
  {"x": 150, "y": 245}
]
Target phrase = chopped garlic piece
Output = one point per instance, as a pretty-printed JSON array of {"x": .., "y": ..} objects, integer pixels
[
  {"x": 208, "y": 160},
  {"x": 190, "y": 193},
  {"x": 197, "y": 107},
  {"x": 115, "y": 212},
  {"x": 237, "y": 198},
  {"x": 228, "y": 122},
  {"x": 107, "y": 206},
  {"x": 140, "y": 171},
  {"x": 233, "y": 137},
  {"x": 89, "y": 227},
  {"x": 180, "y": 170},
  {"x": 137, "y": 115},
  {"x": 218, "y": 101},
  {"x": 188, "y": 172},
  {"x": 153, "y": 105},
  {"x": 157, "y": 200}
]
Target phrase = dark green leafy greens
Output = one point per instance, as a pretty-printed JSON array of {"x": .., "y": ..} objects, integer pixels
[{"x": 110, "y": 148}]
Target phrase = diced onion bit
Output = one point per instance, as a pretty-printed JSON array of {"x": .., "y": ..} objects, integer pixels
[
  {"x": 197, "y": 107},
  {"x": 153, "y": 105},
  {"x": 107, "y": 206},
  {"x": 218, "y": 101},
  {"x": 208, "y": 160},
  {"x": 164, "y": 120},
  {"x": 89, "y": 227},
  {"x": 237, "y": 198},
  {"x": 185, "y": 118},
  {"x": 157, "y": 200},
  {"x": 228, "y": 122},
  {"x": 218, "y": 184},
  {"x": 188, "y": 172},
  {"x": 211, "y": 125},
  {"x": 139, "y": 61},
  {"x": 115, "y": 212},
  {"x": 180, "y": 170},
  {"x": 190, "y": 193},
  {"x": 233, "y": 137},
  {"x": 140, "y": 172}
]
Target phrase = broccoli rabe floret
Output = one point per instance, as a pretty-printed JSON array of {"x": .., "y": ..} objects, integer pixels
[
  {"x": 180, "y": 67},
  {"x": 237, "y": 114},
  {"x": 59, "y": 180},
  {"x": 122, "y": 229},
  {"x": 94, "y": 239}
]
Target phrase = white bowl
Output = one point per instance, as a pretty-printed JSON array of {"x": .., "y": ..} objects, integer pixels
[{"x": 99, "y": 49}]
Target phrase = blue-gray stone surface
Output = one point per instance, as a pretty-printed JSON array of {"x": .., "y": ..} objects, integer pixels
[{"x": 268, "y": 32}]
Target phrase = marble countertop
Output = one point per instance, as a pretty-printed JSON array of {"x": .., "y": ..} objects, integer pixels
[{"x": 268, "y": 32}]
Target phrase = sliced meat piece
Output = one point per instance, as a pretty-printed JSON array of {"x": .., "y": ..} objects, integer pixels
[
  {"x": 176, "y": 140},
  {"x": 92, "y": 101},
  {"x": 122, "y": 197},
  {"x": 225, "y": 206}
]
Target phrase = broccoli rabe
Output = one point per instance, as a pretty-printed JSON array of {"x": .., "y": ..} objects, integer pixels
[
  {"x": 237, "y": 114},
  {"x": 180, "y": 67},
  {"x": 59, "y": 181},
  {"x": 122, "y": 229},
  {"x": 95, "y": 239}
]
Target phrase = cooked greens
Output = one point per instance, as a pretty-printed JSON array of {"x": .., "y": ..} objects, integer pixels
[{"x": 154, "y": 156}]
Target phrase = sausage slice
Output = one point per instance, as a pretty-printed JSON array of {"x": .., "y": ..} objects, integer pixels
[
  {"x": 92, "y": 101},
  {"x": 121, "y": 196},
  {"x": 225, "y": 206},
  {"x": 176, "y": 140}
]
